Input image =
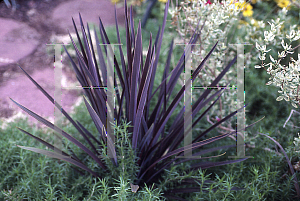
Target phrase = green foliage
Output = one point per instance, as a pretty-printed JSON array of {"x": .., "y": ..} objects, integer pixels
[
  {"x": 70, "y": 185},
  {"x": 25, "y": 175},
  {"x": 150, "y": 148},
  {"x": 28, "y": 175}
]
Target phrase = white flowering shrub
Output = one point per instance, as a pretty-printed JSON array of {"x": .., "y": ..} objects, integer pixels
[
  {"x": 215, "y": 22},
  {"x": 218, "y": 20},
  {"x": 286, "y": 77}
]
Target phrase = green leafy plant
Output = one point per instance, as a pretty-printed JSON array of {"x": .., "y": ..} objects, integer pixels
[
  {"x": 156, "y": 147},
  {"x": 219, "y": 19},
  {"x": 223, "y": 22},
  {"x": 283, "y": 76},
  {"x": 296, "y": 184}
]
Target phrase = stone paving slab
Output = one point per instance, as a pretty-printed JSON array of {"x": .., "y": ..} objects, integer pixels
[
  {"x": 28, "y": 95},
  {"x": 17, "y": 40},
  {"x": 90, "y": 11},
  {"x": 20, "y": 42}
]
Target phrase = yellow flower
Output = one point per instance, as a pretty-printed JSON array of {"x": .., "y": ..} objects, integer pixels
[
  {"x": 163, "y": 1},
  {"x": 240, "y": 5},
  {"x": 245, "y": 7},
  {"x": 254, "y": 22},
  {"x": 283, "y": 3},
  {"x": 248, "y": 12},
  {"x": 253, "y": 1},
  {"x": 242, "y": 23},
  {"x": 282, "y": 27},
  {"x": 114, "y": 1}
]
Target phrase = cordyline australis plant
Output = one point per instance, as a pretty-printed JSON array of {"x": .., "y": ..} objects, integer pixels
[{"x": 156, "y": 148}]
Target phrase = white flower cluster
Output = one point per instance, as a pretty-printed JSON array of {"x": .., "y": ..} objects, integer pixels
[
  {"x": 250, "y": 31},
  {"x": 218, "y": 18},
  {"x": 297, "y": 142},
  {"x": 275, "y": 30},
  {"x": 285, "y": 77}
]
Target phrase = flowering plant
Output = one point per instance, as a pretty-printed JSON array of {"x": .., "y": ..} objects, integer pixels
[
  {"x": 217, "y": 20},
  {"x": 283, "y": 76},
  {"x": 223, "y": 21}
]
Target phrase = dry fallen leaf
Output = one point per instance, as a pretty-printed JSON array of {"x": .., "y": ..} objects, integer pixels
[{"x": 134, "y": 188}]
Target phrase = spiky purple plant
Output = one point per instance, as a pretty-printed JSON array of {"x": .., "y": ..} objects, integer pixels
[{"x": 156, "y": 145}]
